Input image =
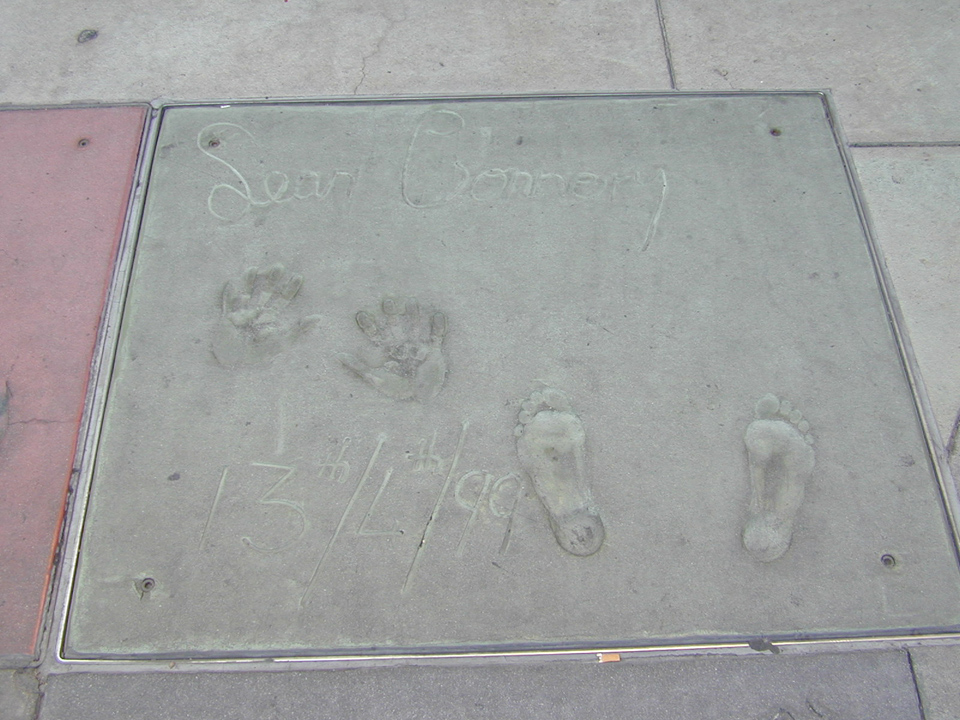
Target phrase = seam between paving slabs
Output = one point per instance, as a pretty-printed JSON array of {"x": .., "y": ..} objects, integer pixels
[
  {"x": 906, "y": 144},
  {"x": 668, "y": 56},
  {"x": 916, "y": 685},
  {"x": 101, "y": 368},
  {"x": 931, "y": 430}
]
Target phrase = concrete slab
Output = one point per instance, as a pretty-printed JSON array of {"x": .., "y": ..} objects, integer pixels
[
  {"x": 911, "y": 195},
  {"x": 891, "y": 65},
  {"x": 937, "y": 671},
  {"x": 19, "y": 693},
  {"x": 853, "y": 687},
  {"x": 618, "y": 301},
  {"x": 63, "y": 199},
  {"x": 142, "y": 50}
]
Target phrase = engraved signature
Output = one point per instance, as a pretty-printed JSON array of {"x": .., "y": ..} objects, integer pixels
[
  {"x": 228, "y": 202},
  {"x": 434, "y": 174}
]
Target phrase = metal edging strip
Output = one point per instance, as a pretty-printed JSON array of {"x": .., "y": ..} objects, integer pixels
[
  {"x": 627, "y": 652},
  {"x": 477, "y": 97},
  {"x": 100, "y": 374},
  {"x": 928, "y": 423}
]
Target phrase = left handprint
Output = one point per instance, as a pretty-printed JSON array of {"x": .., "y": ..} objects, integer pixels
[{"x": 253, "y": 326}]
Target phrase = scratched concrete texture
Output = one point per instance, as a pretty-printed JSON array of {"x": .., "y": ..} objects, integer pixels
[
  {"x": 280, "y": 503},
  {"x": 250, "y": 48},
  {"x": 865, "y": 686}
]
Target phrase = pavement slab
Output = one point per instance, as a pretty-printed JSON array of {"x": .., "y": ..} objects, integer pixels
[
  {"x": 19, "y": 694},
  {"x": 892, "y": 66},
  {"x": 383, "y": 362},
  {"x": 893, "y": 72},
  {"x": 141, "y": 50},
  {"x": 64, "y": 193},
  {"x": 937, "y": 671},
  {"x": 865, "y": 686},
  {"x": 911, "y": 195}
]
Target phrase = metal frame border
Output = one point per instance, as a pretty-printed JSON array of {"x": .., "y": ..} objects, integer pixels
[
  {"x": 58, "y": 612},
  {"x": 101, "y": 371},
  {"x": 911, "y": 368}
]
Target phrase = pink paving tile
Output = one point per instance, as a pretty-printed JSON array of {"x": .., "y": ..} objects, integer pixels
[{"x": 65, "y": 179}]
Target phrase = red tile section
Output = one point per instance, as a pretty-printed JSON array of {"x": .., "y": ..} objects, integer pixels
[{"x": 65, "y": 179}]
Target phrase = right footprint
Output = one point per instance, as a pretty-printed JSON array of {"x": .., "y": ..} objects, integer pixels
[
  {"x": 781, "y": 462},
  {"x": 550, "y": 445}
]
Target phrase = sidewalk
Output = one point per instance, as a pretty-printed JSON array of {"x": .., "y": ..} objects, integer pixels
[{"x": 893, "y": 76}]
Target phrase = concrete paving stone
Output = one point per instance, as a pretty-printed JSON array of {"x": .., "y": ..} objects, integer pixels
[
  {"x": 871, "y": 686},
  {"x": 911, "y": 195},
  {"x": 937, "y": 671},
  {"x": 18, "y": 694},
  {"x": 892, "y": 66},
  {"x": 64, "y": 191},
  {"x": 228, "y": 516},
  {"x": 250, "y": 48}
]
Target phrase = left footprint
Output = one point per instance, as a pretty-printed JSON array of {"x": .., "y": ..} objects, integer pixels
[{"x": 550, "y": 444}]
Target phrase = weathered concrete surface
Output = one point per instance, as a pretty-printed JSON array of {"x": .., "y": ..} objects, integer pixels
[
  {"x": 864, "y": 686},
  {"x": 256, "y": 48},
  {"x": 19, "y": 691},
  {"x": 892, "y": 66},
  {"x": 911, "y": 196},
  {"x": 892, "y": 88},
  {"x": 937, "y": 671}
]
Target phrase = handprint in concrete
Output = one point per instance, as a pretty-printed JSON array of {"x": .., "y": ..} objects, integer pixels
[
  {"x": 406, "y": 360},
  {"x": 254, "y": 325}
]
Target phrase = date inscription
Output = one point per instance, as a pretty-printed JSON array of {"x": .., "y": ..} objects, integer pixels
[{"x": 476, "y": 496}]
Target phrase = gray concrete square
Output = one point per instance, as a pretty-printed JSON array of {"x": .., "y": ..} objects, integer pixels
[
  {"x": 892, "y": 66},
  {"x": 19, "y": 693},
  {"x": 384, "y": 363}
]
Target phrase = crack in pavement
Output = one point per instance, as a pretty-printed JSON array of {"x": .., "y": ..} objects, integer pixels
[
  {"x": 376, "y": 49},
  {"x": 38, "y": 421}
]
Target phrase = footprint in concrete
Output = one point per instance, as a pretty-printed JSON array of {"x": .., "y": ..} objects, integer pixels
[
  {"x": 253, "y": 326},
  {"x": 781, "y": 461},
  {"x": 406, "y": 360},
  {"x": 550, "y": 444}
]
